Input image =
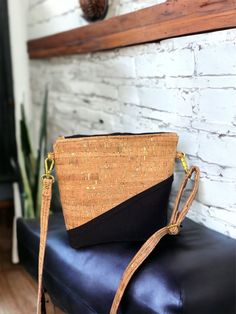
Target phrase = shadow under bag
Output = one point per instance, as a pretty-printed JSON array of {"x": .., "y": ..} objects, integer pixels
[{"x": 114, "y": 188}]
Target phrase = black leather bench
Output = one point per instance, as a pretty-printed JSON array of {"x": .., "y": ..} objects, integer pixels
[{"x": 192, "y": 273}]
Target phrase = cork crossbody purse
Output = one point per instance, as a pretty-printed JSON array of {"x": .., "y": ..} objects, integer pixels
[{"x": 115, "y": 188}]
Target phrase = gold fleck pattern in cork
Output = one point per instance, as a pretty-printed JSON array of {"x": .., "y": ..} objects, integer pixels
[{"x": 96, "y": 173}]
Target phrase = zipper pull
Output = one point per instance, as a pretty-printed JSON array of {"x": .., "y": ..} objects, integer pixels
[
  {"x": 48, "y": 166},
  {"x": 182, "y": 157}
]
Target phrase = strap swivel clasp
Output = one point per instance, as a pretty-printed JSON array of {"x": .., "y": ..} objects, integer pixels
[
  {"x": 48, "y": 166},
  {"x": 182, "y": 157}
]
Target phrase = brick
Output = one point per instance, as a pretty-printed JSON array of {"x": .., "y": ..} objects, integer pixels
[
  {"x": 202, "y": 40},
  {"x": 217, "y": 60},
  {"x": 216, "y": 111},
  {"x": 201, "y": 82},
  {"x": 93, "y": 102},
  {"x": 170, "y": 100},
  {"x": 130, "y": 6},
  {"x": 188, "y": 141},
  {"x": 129, "y": 94},
  {"x": 48, "y": 26},
  {"x": 119, "y": 67},
  {"x": 166, "y": 63},
  {"x": 217, "y": 193},
  {"x": 223, "y": 214},
  {"x": 217, "y": 149},
  {"x": 93, "y": 88},
  {"x": 217, "y": 105},
  {"x": 218, "y": 128},
  {"x": 214, "y": 218},
  {"x": 73, "y": 117}
]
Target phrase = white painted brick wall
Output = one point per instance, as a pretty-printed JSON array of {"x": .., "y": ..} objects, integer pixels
[
  {"x": 172, "y": 63},
  {"x": 216, "y": 60},
  {"x": 186, "y": 84}
]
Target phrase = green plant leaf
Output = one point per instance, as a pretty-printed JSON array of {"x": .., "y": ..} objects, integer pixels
[
  {"x": 28, "y": 159},
  {"x": 31, "y": 167},
  {"x": 41, "y": 152}
]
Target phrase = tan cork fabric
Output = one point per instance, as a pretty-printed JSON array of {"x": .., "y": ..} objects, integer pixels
[
  {"x": 44, "y": 214},
  {"x": 97, "y": 173}
]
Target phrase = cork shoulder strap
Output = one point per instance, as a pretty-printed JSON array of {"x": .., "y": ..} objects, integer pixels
[
  {"x": 47, "y": 182},
  {"x": 44, "y": 215},
  {"x": 172, "y": 228}
]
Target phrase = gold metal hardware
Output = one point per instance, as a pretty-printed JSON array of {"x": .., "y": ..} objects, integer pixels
[
  {"x": 182, "y": 157},
  {"x": 49, "y": 165},
  {"x": 60, "y": 138}
]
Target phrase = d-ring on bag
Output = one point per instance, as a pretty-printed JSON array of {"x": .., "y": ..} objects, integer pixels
[{"x": 115, "y": 188}]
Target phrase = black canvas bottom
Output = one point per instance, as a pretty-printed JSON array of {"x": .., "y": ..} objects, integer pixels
[{"x": 133, "y": 220}]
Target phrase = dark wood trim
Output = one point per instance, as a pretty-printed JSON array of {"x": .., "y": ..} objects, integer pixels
[
  {"x": 6, "y": 204},
  {"x": 170, "y": 19}
]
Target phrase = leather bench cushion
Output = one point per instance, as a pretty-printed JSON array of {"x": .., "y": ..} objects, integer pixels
[{"x": 191, "y": 273}]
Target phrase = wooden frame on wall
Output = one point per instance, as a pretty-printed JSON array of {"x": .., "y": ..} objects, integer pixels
[{"x": 172, "y": 18}]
